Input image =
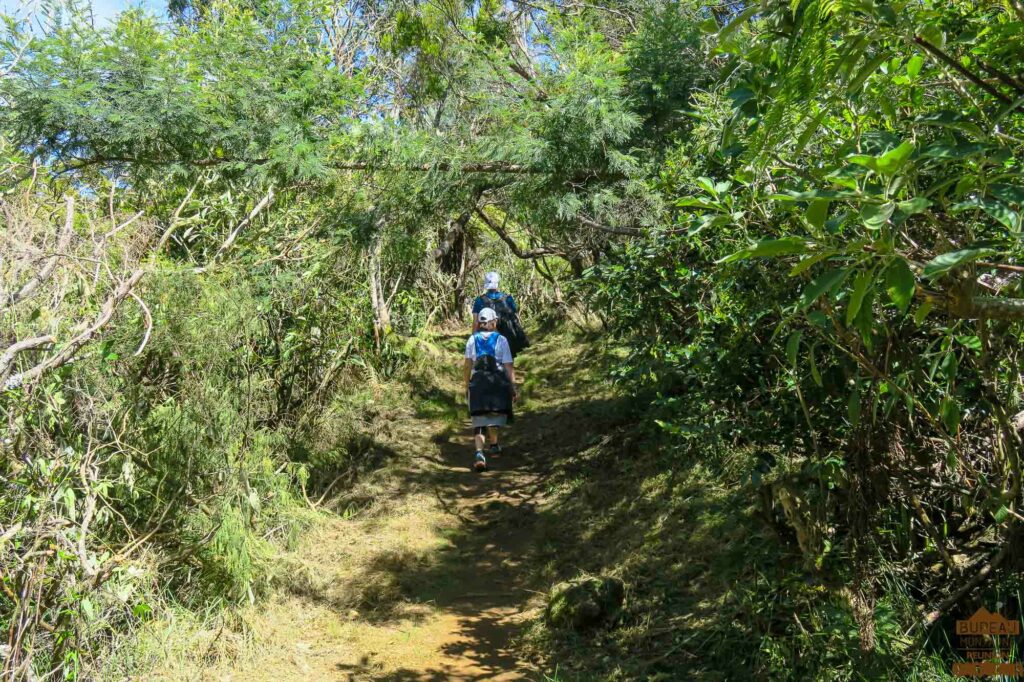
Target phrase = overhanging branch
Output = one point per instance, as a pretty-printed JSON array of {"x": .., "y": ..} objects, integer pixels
[
  {"x": 538, "y": 252},
  {"x": 469, "y": 167}
]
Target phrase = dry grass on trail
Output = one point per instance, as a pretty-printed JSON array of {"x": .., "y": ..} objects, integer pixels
[
  {"x": 429, "y": 578},
  {"x": 424, "y": 570},
  {"x": 343, "y": 613}
]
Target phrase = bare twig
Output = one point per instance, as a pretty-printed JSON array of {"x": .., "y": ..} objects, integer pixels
[
  {"x": 978, "y": 578},
  {"x": 257, "y": 209},
  {"x": 149, "y": 323},
  {"x": 7, "y": 358},
  {"x": 47, "y": 270},
  {"x": 173, "y": 225},
  {"x": 73, "y": 346}
]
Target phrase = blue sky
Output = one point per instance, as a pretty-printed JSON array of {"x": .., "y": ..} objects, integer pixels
[
  {"x": 104, "y": 10},
  {"x": 108, "y": 9}
]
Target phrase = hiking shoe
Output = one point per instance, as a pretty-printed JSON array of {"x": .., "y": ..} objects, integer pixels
[
  {"x": 495, "y": 450},
  {"x": 481, "y": 462}
]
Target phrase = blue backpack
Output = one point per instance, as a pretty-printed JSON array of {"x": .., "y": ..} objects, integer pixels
[{"x": 486, "y": 347}]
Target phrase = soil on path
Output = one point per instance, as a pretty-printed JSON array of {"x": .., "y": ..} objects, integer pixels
[{"x": 430, "y": 580}]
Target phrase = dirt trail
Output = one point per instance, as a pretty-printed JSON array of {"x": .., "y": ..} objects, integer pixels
[{"x": 432, "y": 585}]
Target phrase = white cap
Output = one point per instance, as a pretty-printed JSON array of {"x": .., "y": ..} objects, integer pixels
[
  {"x": 491, "y": 281},
  {"x": 486, "y": 315}
]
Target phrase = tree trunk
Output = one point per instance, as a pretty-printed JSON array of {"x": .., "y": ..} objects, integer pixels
[{"x": 381, "y": 313}]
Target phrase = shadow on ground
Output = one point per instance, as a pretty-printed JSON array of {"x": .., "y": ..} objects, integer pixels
[{"x": 580, "y": 490}]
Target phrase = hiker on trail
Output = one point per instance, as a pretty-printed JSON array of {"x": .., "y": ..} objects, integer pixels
[
  {"x": 490, "y": 384},
  {"x": 508, "y": 313}
]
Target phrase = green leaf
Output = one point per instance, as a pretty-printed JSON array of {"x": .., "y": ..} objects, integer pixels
[
  {"x": 892, "y": 160},
  {"x": 740, "y": 96},
  {"x": 914, "y": 206},
  {"x": 996, "y": 209},
  {"x": 698, "y": 202},
  {"x": 900, "y": 284},
  {"x": 949, "y": 411},
  {"x": 708, "y": 185},
  {"x": 864, "y": 322},
  {"x": 865, "y": 72},
  {"x": 922, "y": 312},
  {"x": 1011, "y": 194},
  {"x": 931, "y": 32},
  {"x": 943, "y": 150},
  {"x": 784, "y": 246},
  {"x": 860, "y": 288},
  {"x": 950, "y": 119},
  {"x": 709, "y": 26},
  {"x": 815, "y": 374},
  {"x": 865, "y": 160},
  {"x": 817, "y": 212},
  {"x": 874, "y": 216},
  {"x": 950, "y": 365},
  {"x": 793, "y": 347},
  {"x": 1001, "y": 514},
  {"x": 811, "y": 195},
  {"x": 914, "y": 65},
  {"x": 819, "y": 320},
  {"x": 945, "y": 262},
  {"x": 88, "y": 610},
  {"x": 825, "y": 282},
  {"x": 805, "y": 136},
  {"x": 740, "y": 19},
  {"x": 853, "y": 406},
  {"x": 970, "y": 341},
  {"x": 809, "y": 262}
]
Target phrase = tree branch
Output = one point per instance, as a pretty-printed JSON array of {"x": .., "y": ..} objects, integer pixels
[
  {"x": 44, "y": 274},
  {"x": 978, "y": 578},
  {"x": 263, "y": 203},
  {"x": 449, "y": 239},
  {"x": 7, "y": 358},
  {"x": 538, "y": 252},
  {"x": 485, "y": 167},
  {"x": 73, "y": 346},
  {"x": 961, "y": 69},
  {"x": 628, "y": 231}
]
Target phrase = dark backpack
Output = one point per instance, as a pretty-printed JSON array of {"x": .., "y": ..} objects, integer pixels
[
  {"x": 490, "y": 390},
  {"x": 509, "y": 325}
]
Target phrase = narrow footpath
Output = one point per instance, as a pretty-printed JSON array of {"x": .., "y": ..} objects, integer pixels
[{"x": 429, "y": 579}]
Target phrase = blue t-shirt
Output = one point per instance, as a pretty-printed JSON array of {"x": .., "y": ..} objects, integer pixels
[{"x": 480, "y": 302}]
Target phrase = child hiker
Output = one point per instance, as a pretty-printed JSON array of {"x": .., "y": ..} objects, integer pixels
[{"x": 490, "y": 384}]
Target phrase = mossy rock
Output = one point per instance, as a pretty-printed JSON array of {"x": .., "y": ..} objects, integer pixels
[{"x": 585, "y": 603}]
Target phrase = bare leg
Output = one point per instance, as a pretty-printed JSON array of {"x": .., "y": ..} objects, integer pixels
[
  {"x": 492, "y": 435},
  {"x": 479, "y": 440}
]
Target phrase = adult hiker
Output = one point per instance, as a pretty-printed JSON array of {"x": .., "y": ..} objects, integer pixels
[
  {"x": 508, "y": 313},
  {"x": 490, "y": 382}
]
